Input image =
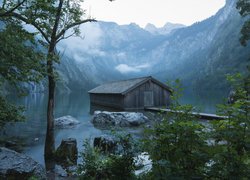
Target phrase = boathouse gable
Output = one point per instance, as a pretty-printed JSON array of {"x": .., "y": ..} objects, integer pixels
[{"x": 131, "y": 94}]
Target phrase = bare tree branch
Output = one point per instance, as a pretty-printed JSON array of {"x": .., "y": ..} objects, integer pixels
[
  {"x": 20, "y": 17},
  {"x": 55, "y": 27},
  {"x": 65, "y": 37},
  {"x": 73, "y": 25},
  {"x": 13, "y": 9}
]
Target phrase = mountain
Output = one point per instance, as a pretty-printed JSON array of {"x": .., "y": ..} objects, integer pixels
[
  {"x": 166, "y": 29},
  {"x": 207, "y": 51},
  {"x": 200, "y": 55},
  {"x": 106, "y": 52}
]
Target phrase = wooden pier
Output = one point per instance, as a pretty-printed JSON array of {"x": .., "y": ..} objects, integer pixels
[{"x": 204, "y": 116}]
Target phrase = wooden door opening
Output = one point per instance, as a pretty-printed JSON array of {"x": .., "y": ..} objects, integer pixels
[{"x": 148, "y": 99}]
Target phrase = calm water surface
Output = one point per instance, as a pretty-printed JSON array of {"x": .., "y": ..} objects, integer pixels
[{"x": 32, "y": 131}]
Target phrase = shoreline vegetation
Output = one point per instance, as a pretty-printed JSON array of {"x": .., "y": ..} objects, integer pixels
[
  {"x": 180, "y": 146},
  {"x": 176, "y": 145}
]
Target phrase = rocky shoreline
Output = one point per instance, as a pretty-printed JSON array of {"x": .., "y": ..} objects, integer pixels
[{"x": 17, "y": 165}]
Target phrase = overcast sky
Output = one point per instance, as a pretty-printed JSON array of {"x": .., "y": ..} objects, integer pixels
[{"x": 157, "y": 12}]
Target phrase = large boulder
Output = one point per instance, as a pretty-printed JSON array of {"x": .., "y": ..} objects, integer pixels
[
  {"x": 119, "y": 118},
  {"x": 66, "y": 153},
  {"x": 106, "y": 143},
  {"x": 66, "y": 122},
  {"x": 14, "y": 165}
]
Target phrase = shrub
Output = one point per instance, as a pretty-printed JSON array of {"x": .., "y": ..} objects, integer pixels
[{"x": 99, "y": 165}]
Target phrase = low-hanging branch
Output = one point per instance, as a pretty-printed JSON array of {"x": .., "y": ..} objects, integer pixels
[
  {"x": 6, "y": 13},
  {"x": 27, "y": 21},
  {"x": 60, "y": 34}
]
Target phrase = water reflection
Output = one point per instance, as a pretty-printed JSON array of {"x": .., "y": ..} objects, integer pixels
[
  {"x": 33, "y": 130},
  {"x": 204, "y": 103}
]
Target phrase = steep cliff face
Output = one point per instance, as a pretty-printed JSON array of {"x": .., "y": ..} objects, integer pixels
[
  {"x": 208, "y": 50},
  {"x": 200, "y": 54}
]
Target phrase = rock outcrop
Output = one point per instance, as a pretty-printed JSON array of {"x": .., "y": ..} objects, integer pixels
[
  {"x": 67, "y": 152},
  {"x": 66, "y": 122},
  {"x": 123, "y": 119},
  {"x": 106, "y": 143},
  {"x": 14, "y": 165}
]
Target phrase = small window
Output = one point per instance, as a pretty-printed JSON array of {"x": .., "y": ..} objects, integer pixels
[{"x": 148, "y": 98}]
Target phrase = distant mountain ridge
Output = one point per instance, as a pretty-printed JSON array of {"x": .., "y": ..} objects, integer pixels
[
  {"x": 166, "y": 29},
  {"x": 200, "y": 55}
]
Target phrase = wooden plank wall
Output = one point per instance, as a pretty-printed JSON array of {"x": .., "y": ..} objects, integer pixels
[
  {"x": 110, "y": 100},
  {"x": 135, "y": 98}
]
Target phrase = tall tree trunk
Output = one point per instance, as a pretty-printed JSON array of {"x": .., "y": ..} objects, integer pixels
[{"x": 50, "y": 140}]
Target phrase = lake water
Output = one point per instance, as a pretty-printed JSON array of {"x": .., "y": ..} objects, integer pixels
[{"x": 32, "y": 131}]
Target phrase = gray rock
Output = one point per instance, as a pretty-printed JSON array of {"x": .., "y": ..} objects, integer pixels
[
  {"x": 103, "y": 118},
  {"x": 14, "y": 145},
  {"x": 60, "y": 171},
  {"x": 119, "y": 118},
  {"x": 143, "y": 163},
  {"x": 66, "y": 122},
  {"x": 106, "y": 143},
  {"x": 14, "y": 165},
  {"x": 231, "y": 97},
  {"x": 67, "y": 152}
]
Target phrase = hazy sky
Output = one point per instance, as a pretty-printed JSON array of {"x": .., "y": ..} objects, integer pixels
[{"x": 157, "y": 12}]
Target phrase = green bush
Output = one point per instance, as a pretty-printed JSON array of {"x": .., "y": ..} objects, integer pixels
[
  {"x": 100, "y": 165},
  {"x": 177, "y": 147},
  {"x": 231, "y": 150},
  {"x": 9, "y": 112},
  {"x": 182, "y": 147}
]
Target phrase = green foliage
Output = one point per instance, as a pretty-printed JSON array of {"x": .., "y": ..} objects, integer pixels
[
  {"x": 9, "y": 113},
  {"x": 181, "y": 147},
  {"x": 177, "y": 145},
  {"x": 99, "y": 165},
  {"x": 177, "y": 92},
  {"x": 20, "y": 61},
  {"x": 64, "y": 15},
  {"x": 231, "y": 157},
  {"x": 177, "y": 150}
]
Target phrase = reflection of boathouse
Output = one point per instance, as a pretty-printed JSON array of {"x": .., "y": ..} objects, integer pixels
[{"x": 131, "y": 94}]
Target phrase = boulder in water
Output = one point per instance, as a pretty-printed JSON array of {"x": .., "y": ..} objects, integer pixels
[
  {"x": 66, "y": 153},
  {"x": 123, "y": 119},
  {"x": 14, "y": 165},
  {"x": 106, "y": 143},
  {"x": 66, "y": 122}
]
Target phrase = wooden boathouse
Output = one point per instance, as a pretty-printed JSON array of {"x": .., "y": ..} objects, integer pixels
[{"x": 131, "y": 94}]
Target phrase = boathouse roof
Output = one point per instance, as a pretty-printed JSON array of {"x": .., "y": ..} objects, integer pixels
[{"x": 125, "y": 86}]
